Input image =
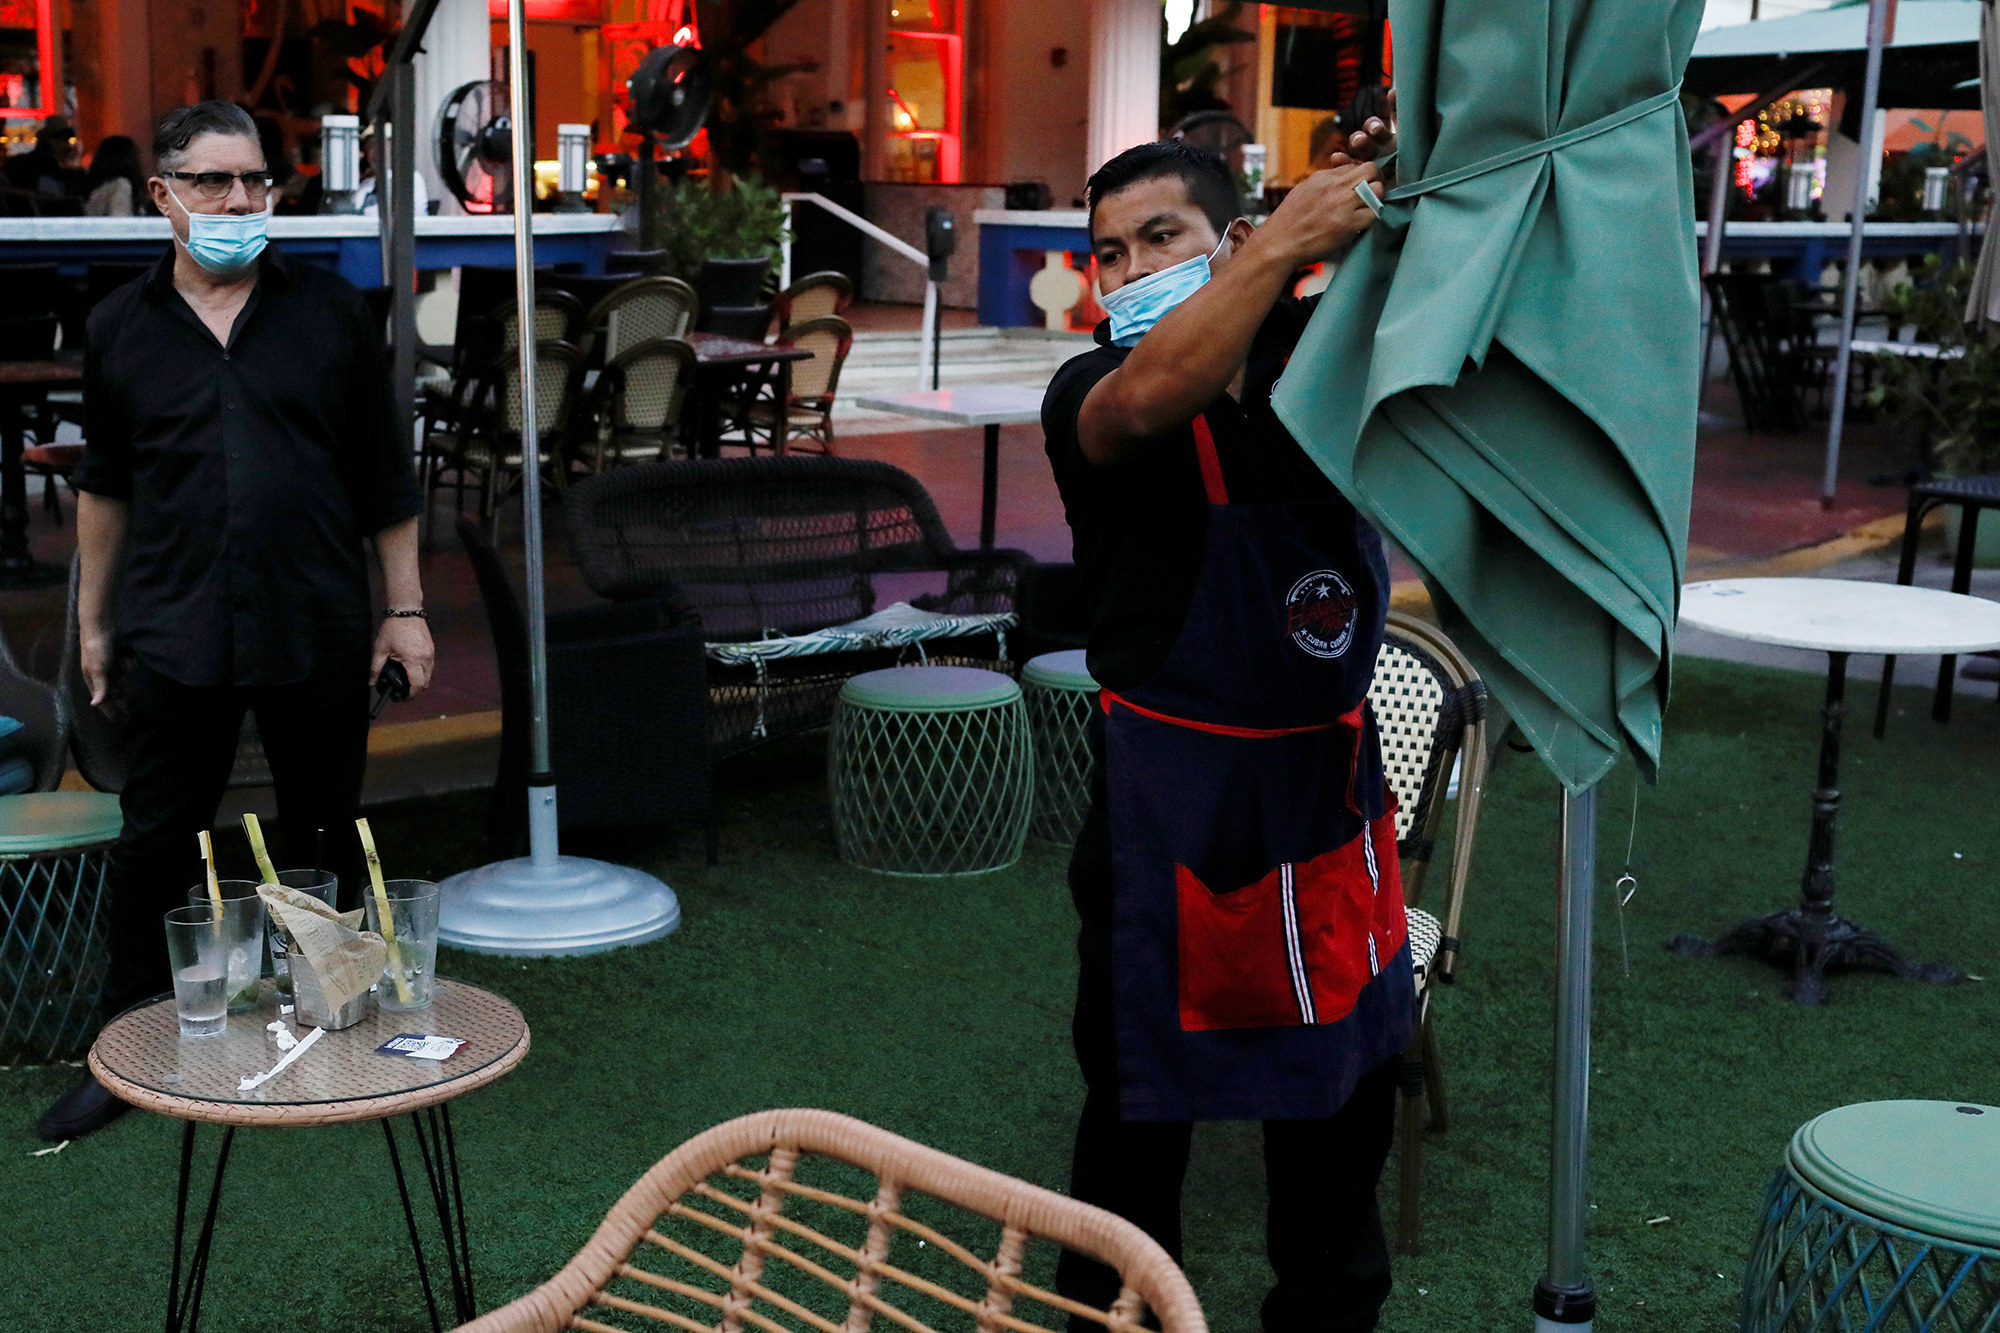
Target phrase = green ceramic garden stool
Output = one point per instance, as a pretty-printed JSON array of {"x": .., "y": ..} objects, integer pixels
[
  {"x": 1886, "y": 1216},
  {"x": 931, "y": 771},
  {"x": 54, "y": 944},
  {"x": 1059, "y": 694}
]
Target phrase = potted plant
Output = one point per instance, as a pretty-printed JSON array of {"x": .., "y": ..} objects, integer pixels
[
  {"x": 1954, "y": 397},
  {"x": 743, "y": 220}
]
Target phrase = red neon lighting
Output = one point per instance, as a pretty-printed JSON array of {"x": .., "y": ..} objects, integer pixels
[
  {"x": 45, "y": 56},
  {"x": 949, "y": 140}
]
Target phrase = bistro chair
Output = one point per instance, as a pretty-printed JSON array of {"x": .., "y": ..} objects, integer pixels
[
  {"x": 640, "y": 311},
  {"x": 801, "y": 408},
  {"x": 866, "y": 1229},
  {"x": 640, "y": 396},
  {"x": 1430, "y": 711},
  {"x": 493, "y": 449},
  {"x": 815, "y": 296}
]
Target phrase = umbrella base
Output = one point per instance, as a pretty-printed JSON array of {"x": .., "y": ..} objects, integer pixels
[
  {"x": 1564, "y": 1309},
  {"x": 572, "y": 906},
  {"x": 1811, "y": 943}
]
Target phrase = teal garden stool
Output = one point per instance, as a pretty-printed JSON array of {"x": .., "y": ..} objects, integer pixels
[
  {"x": 54, "y": 944},
  {"x": 931, "y": 771},
  {"x": 1886, "y": 1216},
  {"x": 1059, "y": 694}
]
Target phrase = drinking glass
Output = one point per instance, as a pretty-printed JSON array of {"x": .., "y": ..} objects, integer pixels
[
  {"x": 243, "y": 930},
  {"x": 198, "y": 954},
  {"x": 413, "y": 913},
  {"x": 320, "y": 884}
]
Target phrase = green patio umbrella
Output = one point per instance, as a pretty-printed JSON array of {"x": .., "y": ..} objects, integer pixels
[{"x": 1503, "y": 376}]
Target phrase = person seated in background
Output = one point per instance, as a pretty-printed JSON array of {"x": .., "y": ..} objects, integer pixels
[
  {"x": 115, "y": 185},
  {"x": 365, "y": 201},
  {"x": 50, "y": 167}
]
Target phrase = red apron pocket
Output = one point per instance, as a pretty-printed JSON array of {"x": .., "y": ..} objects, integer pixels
[
  {"x": 1296, "y": 947},
  {"x": 1233, "y": 971}
]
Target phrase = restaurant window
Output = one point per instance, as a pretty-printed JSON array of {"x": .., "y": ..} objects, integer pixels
[{"x": 926, "y": 71}]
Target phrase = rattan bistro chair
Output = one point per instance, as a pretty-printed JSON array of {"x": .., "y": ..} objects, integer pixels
[
  {"x": 1430, "y": 711},
  {"x": 815, "y": 296},
  {"x": 638, "y": 402},
  {"x": 641, "y": 311},
  {"x": 799, "y": 411},
  {"x": 812, "y": 1221}
]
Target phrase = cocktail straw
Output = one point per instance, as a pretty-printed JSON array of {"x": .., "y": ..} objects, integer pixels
[
  {"x": 382, "y": 911},
  {"x": 255, "y": 833}
]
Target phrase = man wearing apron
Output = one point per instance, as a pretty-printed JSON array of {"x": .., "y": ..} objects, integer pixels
[{"x": 1242, "y": 951}]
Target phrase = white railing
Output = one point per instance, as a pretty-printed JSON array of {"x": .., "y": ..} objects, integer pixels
[{"x": 928, "y": 339}]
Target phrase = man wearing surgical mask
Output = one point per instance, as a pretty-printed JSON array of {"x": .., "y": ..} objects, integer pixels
[
  {"x": 242, "y": 449},
  {"x": 1242, "y": 951}
]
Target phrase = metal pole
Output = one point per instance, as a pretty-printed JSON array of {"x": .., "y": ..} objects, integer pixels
[
  {"x": 1711, "y": 261},
  {"x": 927, "y": 337},
  {"x": 1564, "y": 1298},
  {"x": 401, "y": 204},
  {"x": 1879, "y": 18},
  {"x": 541, "y": 782}
]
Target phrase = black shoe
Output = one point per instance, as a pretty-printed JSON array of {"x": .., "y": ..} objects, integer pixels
[{"x": 84, "y": 1109}]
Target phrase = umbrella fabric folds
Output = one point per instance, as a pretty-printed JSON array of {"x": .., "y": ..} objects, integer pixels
[
  {"x": 1503, "y": 372},
  {"x": 1983, "y": 301}
]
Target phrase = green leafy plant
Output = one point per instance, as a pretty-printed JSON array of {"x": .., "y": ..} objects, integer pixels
[
  {"x": 1955, "y": 397},
  {"x": 743, "y": 220}
]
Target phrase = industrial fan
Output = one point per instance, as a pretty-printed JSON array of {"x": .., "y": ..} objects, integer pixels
[
  {"x": 474, "y": 147},
  {"x": 667, "y": 100}
]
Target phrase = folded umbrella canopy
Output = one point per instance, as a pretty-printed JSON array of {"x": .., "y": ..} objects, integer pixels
[{"x": 1503, "y": 372}]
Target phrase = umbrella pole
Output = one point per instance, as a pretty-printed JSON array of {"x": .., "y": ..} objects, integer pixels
[
  {"x": 546, "y": 903},
  {"x": 1879, "y": 12},
  {"x": 1564, "y": 1298}
]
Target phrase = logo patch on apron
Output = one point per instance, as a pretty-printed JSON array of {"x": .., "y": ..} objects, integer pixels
[{"x": 1319, "y": 613}]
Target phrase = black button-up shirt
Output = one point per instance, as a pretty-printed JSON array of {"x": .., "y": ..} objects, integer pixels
[{"x": 253, "y": 471}]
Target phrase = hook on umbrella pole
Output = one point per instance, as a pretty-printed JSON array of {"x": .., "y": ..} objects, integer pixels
[{"x": 1565, "y": 1300}]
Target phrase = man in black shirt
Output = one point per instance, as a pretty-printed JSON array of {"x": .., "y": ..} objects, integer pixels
[
  {"x": 1242, "y": 946},
  {"x": 242, "y": 446}
]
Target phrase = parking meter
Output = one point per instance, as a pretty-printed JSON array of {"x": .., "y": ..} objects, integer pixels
[{"x": 940, "y": 238}]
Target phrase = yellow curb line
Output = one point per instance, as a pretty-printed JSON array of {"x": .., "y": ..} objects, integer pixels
[{"x": 1410, "y": 595}]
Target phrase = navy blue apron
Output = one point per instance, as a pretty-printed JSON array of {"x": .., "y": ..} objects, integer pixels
[{"x": 1260, "y": 955}]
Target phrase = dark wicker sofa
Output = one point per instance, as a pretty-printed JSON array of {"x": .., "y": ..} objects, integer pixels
[{"x": 759, "y": 547}]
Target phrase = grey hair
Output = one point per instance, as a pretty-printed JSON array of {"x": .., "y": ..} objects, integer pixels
[{"x": 183, "y": 125}]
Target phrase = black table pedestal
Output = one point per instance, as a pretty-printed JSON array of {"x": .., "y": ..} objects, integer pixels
[{"x": 1811, "y": 938}]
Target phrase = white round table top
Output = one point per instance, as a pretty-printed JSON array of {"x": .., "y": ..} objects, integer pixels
[{"x": 1842, "y": 615}]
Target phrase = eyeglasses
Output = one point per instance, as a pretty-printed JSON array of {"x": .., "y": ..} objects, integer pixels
[{"x": 216, "y": 184}]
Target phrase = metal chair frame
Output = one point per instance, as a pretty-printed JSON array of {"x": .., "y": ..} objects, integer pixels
[{"x": 1440, "y": 721}]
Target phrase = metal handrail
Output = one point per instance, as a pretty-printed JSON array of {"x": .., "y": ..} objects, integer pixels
[{"x": 895, "y": 244}]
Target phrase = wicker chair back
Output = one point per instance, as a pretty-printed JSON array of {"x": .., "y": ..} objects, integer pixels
[
  {"x": 558, "y": 318},
  {"x": 557, "y": 368},
  {"x": 642, "y": 311},
  {"x": 815, "y": 296},
  {"x": 829, "y": 339},
  {"x": 649, "y": 384},
  {"x": 867, "y": 1230},
  {"x": 762, "y": 545}
]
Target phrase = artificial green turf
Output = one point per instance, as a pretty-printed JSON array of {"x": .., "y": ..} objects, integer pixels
[{"x": 939, "y": 1009}]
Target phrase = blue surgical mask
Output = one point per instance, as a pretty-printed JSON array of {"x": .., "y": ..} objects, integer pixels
[
  {"x": 1138, "y": 306},
  {"x": 225, "y": 244}
]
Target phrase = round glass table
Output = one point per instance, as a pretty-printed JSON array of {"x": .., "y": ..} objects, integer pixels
[
  {"x": 1838, "y": 617},
  {"x": 344, "y": 1077}
]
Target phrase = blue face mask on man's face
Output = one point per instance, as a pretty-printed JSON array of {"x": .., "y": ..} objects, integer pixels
[
  {"x": 1138, "y": 306},
  {"x": 225, "y": 244}
]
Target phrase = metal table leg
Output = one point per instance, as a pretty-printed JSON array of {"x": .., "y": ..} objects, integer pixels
[
  {"x": 1810, "y": 938},
  {"x": 438, "y": 1151},
  {"x": 184, "y": 1295},
  {"x": 989, "y": 485}
]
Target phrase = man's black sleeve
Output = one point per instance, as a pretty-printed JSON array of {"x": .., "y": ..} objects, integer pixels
[
  {"x": 107, "y": 439},
  {"x": 383, "y": 481},
  {"x": 1063, "y": 404}
]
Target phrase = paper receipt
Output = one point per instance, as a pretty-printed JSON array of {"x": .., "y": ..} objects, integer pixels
[{"x": 421, "y": 1047}]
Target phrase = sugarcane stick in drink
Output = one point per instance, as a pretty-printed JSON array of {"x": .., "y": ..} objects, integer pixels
[
  {"x": 208, "y": 862},
  {"x": 382, "y": 912},
  {"x": 255, "y": 833}
]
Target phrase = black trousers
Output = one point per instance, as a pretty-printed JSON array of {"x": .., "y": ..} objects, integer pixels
[
  {"x": 1323, "y": 1229},
  {"x": 181, "y": 745}
]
